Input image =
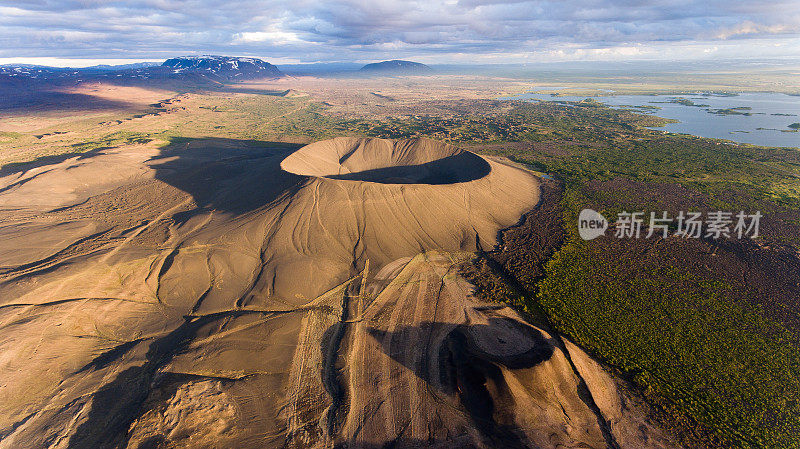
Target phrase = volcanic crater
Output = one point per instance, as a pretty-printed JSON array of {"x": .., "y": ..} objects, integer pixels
[{"x": 408, "y": 161}]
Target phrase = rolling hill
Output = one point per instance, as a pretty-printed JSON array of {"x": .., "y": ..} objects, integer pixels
[{"x": 396, "y": 67}]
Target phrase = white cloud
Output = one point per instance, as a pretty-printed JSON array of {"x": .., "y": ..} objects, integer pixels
[
  {"x": 67, "y": 35},
  {"x": 748, "y": 27},
  {"x": 275, "y": 37},
  {"x": 377, "y": 29},
  {"x": 10, "y": 11}
]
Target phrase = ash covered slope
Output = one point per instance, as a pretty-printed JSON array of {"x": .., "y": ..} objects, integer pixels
[
  {"x": 396, "y": 67},
  {"x": 202, "y": 296}
]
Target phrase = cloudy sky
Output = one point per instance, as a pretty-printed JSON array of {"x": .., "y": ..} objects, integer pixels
[{"x": 82, "y": 32}]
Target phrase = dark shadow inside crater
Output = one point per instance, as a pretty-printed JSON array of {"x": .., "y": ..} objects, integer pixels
[
  {"x": 462, "y": 167},
  {"x": 471, "y": 362}
]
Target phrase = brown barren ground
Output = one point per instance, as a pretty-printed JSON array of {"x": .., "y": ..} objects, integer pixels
[{"x": 226, "y": 293}]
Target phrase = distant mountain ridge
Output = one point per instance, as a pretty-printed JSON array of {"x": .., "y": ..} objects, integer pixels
[
  {"x": 396, "y": 67},
  {"x": 224, "y": 66},
  {"x": 135, "y": 65},
  {"x": 185, "y": 68}
]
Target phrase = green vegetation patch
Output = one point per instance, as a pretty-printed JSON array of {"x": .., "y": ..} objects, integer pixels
[
  {"x": 683, "y": 336},
  {"x": 6, "y": 136},
  {"x": 112, "y": 140}
]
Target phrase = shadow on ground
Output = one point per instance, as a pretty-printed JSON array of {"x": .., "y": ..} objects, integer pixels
[
  {"x": 469, "y": 362},
  {"x": 230, "y": 175}
]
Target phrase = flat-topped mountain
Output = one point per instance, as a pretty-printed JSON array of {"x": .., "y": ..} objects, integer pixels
[
  {"x": 224, "y": 66},
  {"x": 396, "y": 67}
]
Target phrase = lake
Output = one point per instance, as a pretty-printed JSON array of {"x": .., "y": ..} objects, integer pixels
[{"x": 756, "y": 118}]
